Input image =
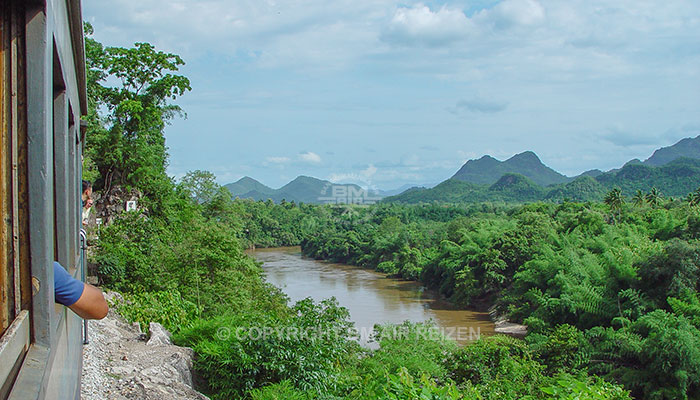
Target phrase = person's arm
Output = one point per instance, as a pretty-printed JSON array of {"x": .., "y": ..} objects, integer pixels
[
  {"x": 85, "y": 300},
  {"x": 91, "y": 304}
]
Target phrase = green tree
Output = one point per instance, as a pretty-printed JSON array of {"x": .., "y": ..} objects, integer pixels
[
  {"x": 200, "y": 185},
  {"x": 654, "y": 197},
  {"x": 694, "y": 198},
  {"x": 126, "y": 120},
  {"x": 638, "y": 199},
  {"x": 614, "y": 199}
]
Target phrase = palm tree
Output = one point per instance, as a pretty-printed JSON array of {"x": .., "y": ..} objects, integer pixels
[
  {"x": 638, "y": 198},
  {"x": 694, "y": 198},
  {"x": 654, "y": 197},
  {"x": 615, "y": 200}
]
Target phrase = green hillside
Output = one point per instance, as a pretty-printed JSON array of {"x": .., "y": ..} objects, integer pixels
[
  {"x": 686, "y": 148},
  {"x": 510, "y": 188},
  {"x": 677, "y": 178},
  {"x": 487, "y": 170},
  {"x": 246, "y": 185},
  {"x": 583, "y": 188},
  {"x": 515, "y": 188},
  {"x": 450, "y": 191}
]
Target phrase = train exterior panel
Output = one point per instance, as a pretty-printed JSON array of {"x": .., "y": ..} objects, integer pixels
[{"x": 42, "y": 99}]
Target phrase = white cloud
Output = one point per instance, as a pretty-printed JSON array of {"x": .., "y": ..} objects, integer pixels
[
  {"x": 266, "y": 32},
  {"x": 419, "y": 24},
  {"x": 513, "y": 36},
  {"x": 310, "y": 157}
]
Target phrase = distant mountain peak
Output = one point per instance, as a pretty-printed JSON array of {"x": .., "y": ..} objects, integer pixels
[
  {"x": 246, "y": 179},
  {"x": 688, "y": 147},
  {"x": 526, "y": 155},
  {"x": 486, "y": 157},
  {"x": 488, "y": 170},
  {"x": 246, "y": 185},
  {"x": 303, "y": 178}
]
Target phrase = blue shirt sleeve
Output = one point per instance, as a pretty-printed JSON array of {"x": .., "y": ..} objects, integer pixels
[{"x": 67, "y": 290}]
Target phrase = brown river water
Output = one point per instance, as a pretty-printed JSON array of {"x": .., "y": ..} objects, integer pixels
[{"x": 370, "y": 297}]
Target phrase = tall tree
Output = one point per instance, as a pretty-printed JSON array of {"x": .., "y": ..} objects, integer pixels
[
  {"x": 614, "y": 199},
  {"x": 130, "y": 92},
  {"x": 638, "y": 199},
  {"x": 694, "y": 198},
  {"x": 654, "y": 197},
  {"x": 201, "y": 186}
]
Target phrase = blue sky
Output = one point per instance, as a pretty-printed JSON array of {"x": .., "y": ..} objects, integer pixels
[{"x": 384, "y": 93}]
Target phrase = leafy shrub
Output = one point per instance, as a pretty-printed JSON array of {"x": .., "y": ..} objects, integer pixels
[
  {"x": 560, "y": 350},
  {"x": 500, "y": 366},
  {"x": 568, "y": 387},
  {"x": 284, "y": 390},
  {"x": 419, "y": 348},
  {"x": 236, "y": 353},
  {"x": 404, "y": 386},
  {"x": 167, "y": 308}
]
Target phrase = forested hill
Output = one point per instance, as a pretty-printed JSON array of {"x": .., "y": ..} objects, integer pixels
[
  {"x": 674, "y": 179},
  {"x": 246, "y": 185},
  {"x": 688, "y": 147},
  {"x": 487, "y": 170}
]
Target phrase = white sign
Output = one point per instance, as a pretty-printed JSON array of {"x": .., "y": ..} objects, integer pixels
[
  {"x": 131, "y": 205},
  {"x": 98, "y": 221}
]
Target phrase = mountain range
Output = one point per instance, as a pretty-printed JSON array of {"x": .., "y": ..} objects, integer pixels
[{"x": 674, "y": 170}]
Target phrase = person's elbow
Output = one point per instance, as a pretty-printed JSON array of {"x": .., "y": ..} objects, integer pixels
[
  {"x": 91, "y": 304},
  {"x": 100, "y": 311}
]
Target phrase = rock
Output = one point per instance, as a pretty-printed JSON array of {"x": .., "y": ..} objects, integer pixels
[
  {"x": 117, "y": 366},
  {"x": 182, "y": 363},
  {"x": 509, "y": 328},
  {"x": 503, "y": 326},
  {"x": 110, "y": 205},
  {"x": 159, "y": 335},
  {"x": 113, "y": 297}
]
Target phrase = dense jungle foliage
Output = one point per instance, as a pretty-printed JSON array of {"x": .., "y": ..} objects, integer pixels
[{"x": 609, "y": 290}]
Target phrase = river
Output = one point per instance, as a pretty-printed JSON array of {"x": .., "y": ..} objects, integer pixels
[{"x": 370, "y": 297}]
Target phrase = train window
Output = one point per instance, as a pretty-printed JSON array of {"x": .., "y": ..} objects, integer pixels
[
  {"x": 7, "y": 287},
  {"x": 15, "y": 283},
  {"x": 6, "y": 272},
  {"x": 15, "y": 280}
]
